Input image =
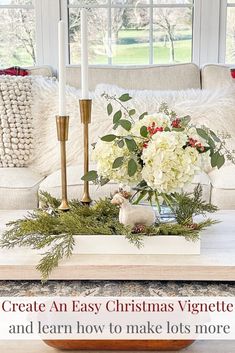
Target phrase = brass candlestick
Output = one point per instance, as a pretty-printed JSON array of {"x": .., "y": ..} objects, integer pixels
[
  {"x": 85, "y": 111},
  {"x": 62, "y": 124}
]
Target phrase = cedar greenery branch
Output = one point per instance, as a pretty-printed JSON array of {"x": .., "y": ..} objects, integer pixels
[{"x": 52, "y": 231}]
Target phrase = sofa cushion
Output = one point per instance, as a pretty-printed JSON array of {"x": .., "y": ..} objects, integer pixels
[
  {"x": 216, "y": 76},
  {"x": 223, "y": 178},
  {"x": 18, "y": 188},
  {"x": 41, "y": 71},
  {"x": 52, "y": 184},
  {"x": 156, "y": 77},
  {"x": 223, "y": 191}
]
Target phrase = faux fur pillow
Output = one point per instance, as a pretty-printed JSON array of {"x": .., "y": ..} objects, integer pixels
[
  {"x": 216, "y": 109},
  {"x": 46, "y": 156}
]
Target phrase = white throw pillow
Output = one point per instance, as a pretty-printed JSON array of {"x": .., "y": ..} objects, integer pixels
[{"x": 15, "y": 121}]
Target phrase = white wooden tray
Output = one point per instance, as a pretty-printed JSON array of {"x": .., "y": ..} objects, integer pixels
[{"x": 118, "y": 244}]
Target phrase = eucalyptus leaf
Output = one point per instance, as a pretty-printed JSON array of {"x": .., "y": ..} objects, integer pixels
[
  {"x": 131, "y": 145},
  {"x": 220, "y": 161},
  {"x": 132, "y": 167},
  {"x": 120, "y": 143},
  {"x": 202, "y": 133},
  {"x": 211, "y": 142},
  {"x": 214, "y": 159},
  {"x": 144, "y": 131},
  {"x": 109, "y": 109},
  {"x": 117, "y": 116},
  {"x": 214, "y": 136},
  {"x": 142, "y": 115},
  {"x": 90, "y": 176},
  {"x": 126, "y": 124},
  {"x": 132, "y": 112},
  {"x": 108, "y": 138},
  {"x": 177, "y": 129},
  {"x": 118, "y": 162},
  {"x": 104, "y": 181},
  {"x": 125, "y": 97},
  {"x": 185, "y": 120}
]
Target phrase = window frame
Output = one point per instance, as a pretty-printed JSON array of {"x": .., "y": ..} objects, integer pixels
[
  {"x": 209, "y": 31},
  {"x": 151, "y": 6}
]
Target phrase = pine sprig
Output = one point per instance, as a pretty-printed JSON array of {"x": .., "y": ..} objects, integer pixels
[
  {"x": 50, "y": 260},
  {"x": 187, "y": 205}
]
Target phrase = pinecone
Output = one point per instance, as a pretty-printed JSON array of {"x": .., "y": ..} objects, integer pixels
[
  {"x": 139, "y": 228},
  {"x": 126, "y": 194},
  {"x": 193, "y": 226}
]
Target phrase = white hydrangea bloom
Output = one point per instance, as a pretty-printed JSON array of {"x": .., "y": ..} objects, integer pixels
[
  {"x": 105, "y": 154},
  {"x": 168, "y": 167}
]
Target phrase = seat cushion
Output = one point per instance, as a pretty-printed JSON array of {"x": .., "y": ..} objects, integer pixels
[
  {"x": 155, "y": 77},
  {"x": 18, "y": 188},
  {"x": 223, "y": 187},
  {"x": 216, "y": 76},
  {"x": 52, "y": 184}
]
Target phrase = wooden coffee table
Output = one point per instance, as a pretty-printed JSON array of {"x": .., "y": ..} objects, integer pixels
[
  {"x": 216, "y": 262},
  {"x": 40, "y": 347}
]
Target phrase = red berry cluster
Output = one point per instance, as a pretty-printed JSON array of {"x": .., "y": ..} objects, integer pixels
[
  {"x": 153, "y": 129},
  {"x": 194, "y": 143},
  {"x": 176, "y": 123}
]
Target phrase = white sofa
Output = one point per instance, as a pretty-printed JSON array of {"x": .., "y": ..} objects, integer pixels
[{"x": 19, "y": 186}]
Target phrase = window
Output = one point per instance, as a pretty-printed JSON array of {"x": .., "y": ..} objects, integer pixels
[
  {"x": 230, "y": 38},
  {"x": 17, "y": 33},
  {"x": 139, "y": 32}
]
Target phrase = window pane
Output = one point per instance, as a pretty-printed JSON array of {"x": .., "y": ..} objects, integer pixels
[
  {"x": 130, "y": 36},
  {"x": 86, "y": 2},
  {"x": 173, "y": 2},
  {"x": 98, "y": 36},
  {"x": 172, "y": 35},
  {"x": 230, "y": 40},
  {"x": 134, "y": 3},
  {"x": 16, "y": 2},
  {"x": 17, "y": 37}
]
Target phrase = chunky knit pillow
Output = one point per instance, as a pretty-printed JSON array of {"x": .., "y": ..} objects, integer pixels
[{"x": 15, "y": 120}]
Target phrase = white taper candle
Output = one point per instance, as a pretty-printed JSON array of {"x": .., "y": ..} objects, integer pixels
[
  {"x": 62, "y": 73},
  {"x": 84, "y": 55}
]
